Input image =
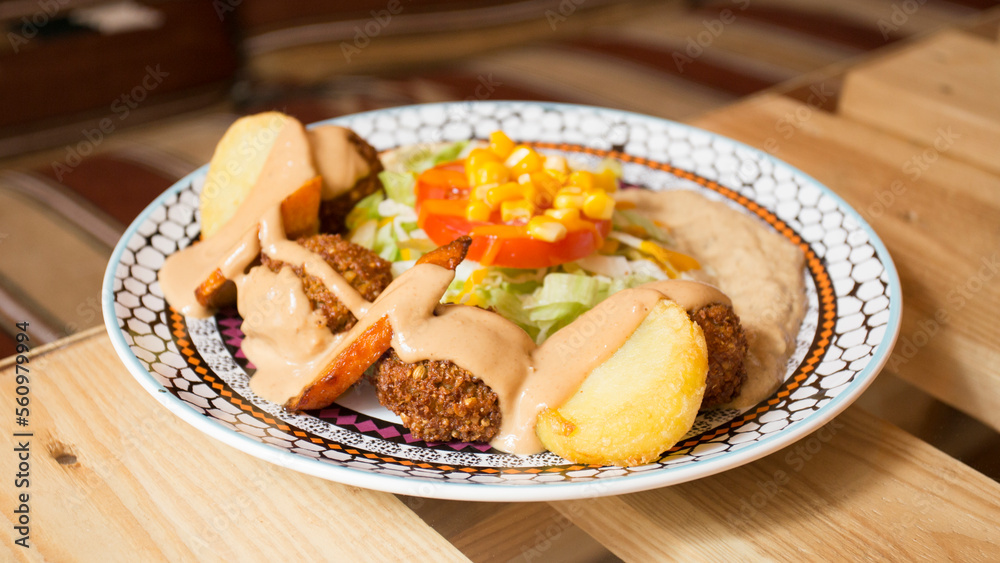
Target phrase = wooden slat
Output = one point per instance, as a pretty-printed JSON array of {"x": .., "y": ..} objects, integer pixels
[
  {"x": 116, "y": 477},
  {"x": 858, "y": 489},
  {"x": 509, "y": 532},
  {"x": 948, "y": 82},
  {"x": 940, "y": 219}
]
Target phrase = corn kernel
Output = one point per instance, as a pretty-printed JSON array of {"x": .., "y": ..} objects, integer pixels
[
  {"x": 606, "y": 180},
  {"x": 523, "y": 159},
  {"x": 582, "y": 179},
  {"x": 488, "y": 173},
  {"x": 545, "y": 181},
  {"x": 609, "y": 246},
  {"x": 564, "y": 215},
  {"x": 521, "y": 209},
  {"x": 567, "y": 199},
  {"x": 500, "y": 144},
  {"x": 504, "y": 192},
  {"x": 546, "y": 228},
  {"x": 480, "y": 156},
  {"x": 477, "y": 211},
  {"x": 560, "y": 177},
  {"x": 556, "y": 163},
  {"x": 479, "y": 193},
  {"x": 598, "y": 205}
]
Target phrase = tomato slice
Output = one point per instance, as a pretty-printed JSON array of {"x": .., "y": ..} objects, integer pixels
[
  {"x": 493, "y": 242},
  {"x": 445, "y": 181}
]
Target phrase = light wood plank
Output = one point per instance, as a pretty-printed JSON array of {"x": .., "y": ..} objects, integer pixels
[
  {"x": 511, "y": 532},
  {"x": 145, "y": 486},
  {"x": 858, "y": 489},
  {"x": 940, "y": 219},
  {"x": 946, "y": 83}
]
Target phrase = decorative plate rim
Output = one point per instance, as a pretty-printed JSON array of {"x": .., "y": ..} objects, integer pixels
[{"x": 549, "y": 491}]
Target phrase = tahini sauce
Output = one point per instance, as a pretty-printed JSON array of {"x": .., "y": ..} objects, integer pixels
[{"x": 290, "y": 345}]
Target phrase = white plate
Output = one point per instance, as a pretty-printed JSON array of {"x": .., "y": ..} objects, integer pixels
[{"x": 195, "y": 369}]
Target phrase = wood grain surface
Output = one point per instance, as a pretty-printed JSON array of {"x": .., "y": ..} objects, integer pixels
[
  {"x": 946, "y": 83},
  {"x": 116, "y": 477},
  {"x": 858, "y": 489},
  {"x": 939, "y": 218}
]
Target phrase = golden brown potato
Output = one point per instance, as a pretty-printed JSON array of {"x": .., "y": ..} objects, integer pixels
[
  {"x": 300, "y": 211},
  {"x": 235, "y": 166},
  {"x": 640, "y": 401}
]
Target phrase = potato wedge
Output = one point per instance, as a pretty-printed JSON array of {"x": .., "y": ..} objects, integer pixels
[
  {"x": 640, "y": 401},
  {"x": 237, "y": 163},
  {"x": 300, "y": 211}
]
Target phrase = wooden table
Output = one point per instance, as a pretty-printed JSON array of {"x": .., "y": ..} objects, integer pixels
[{"x": 109, "y": 465}]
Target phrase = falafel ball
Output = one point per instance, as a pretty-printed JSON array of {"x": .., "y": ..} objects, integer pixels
[
  {"x": 333, "y": 212},
  {"x": 366, "y": 271},
  {"x": 437, "y": 400},
  {"x": 727, "y": 350}
]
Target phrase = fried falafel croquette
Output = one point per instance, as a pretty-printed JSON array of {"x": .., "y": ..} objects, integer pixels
[
  {"x": 437, "y": 400},
  {"x": 727, "y": 351},
  {"x": 333, "y": 212},
  {"x": 368, "y": 273}
]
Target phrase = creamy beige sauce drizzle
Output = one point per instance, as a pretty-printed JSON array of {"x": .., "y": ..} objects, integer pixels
[
  {"x": 235, "y": 245},
  {"x": 526, "y": 378},
  {"x": 337, "y": 160},
  {"x": 290, "y": 345}
]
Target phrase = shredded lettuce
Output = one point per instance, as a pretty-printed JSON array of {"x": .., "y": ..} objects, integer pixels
[
  {"x": 625, "y": 218},
  {"x": 399, "y": 186},
  {"x": 539, "y": 301},
  {"x": 421, "y": 158}
]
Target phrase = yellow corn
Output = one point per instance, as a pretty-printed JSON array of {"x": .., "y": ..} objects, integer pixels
[
  {"x": 545, "y": 181},
  {"x": 583, "y": 179},
  {"x": 546, "y": 228},
  {"x": 478, "y": 157},
  {"x": 477, "y": 211},
  {"x": 404, "y": 253},
  {"x": 488, "y": 173},
  {"x": 500, "y": 144},
  {"x": 610, "y": 246},
  {"x": 523, "y": 159},
  {"x": 515, "y": 210},
  {"x": 606, "y": 180},
  {"x": 556, "y": 163},
  {"x": 564, "y": 216},
  {"x": 677, "y": 260},
  {"x": 598, "y": 205},
  {"x": 504, "y": 192},
  {"x": 478, "y": 193},
  {"x": 568, "y": 199}
]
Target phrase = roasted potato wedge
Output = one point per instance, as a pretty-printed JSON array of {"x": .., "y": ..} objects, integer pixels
[
  {"x": 237, "y": 163},
  {"x": 640, "y": 401},
  {"x": 300, "y": 211}
]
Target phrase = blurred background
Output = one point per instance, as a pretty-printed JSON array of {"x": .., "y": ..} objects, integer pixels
[{"x": 105, "y": 103}]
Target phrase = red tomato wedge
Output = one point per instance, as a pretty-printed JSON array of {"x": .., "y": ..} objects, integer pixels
[{"x": 442, "y": 194}]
